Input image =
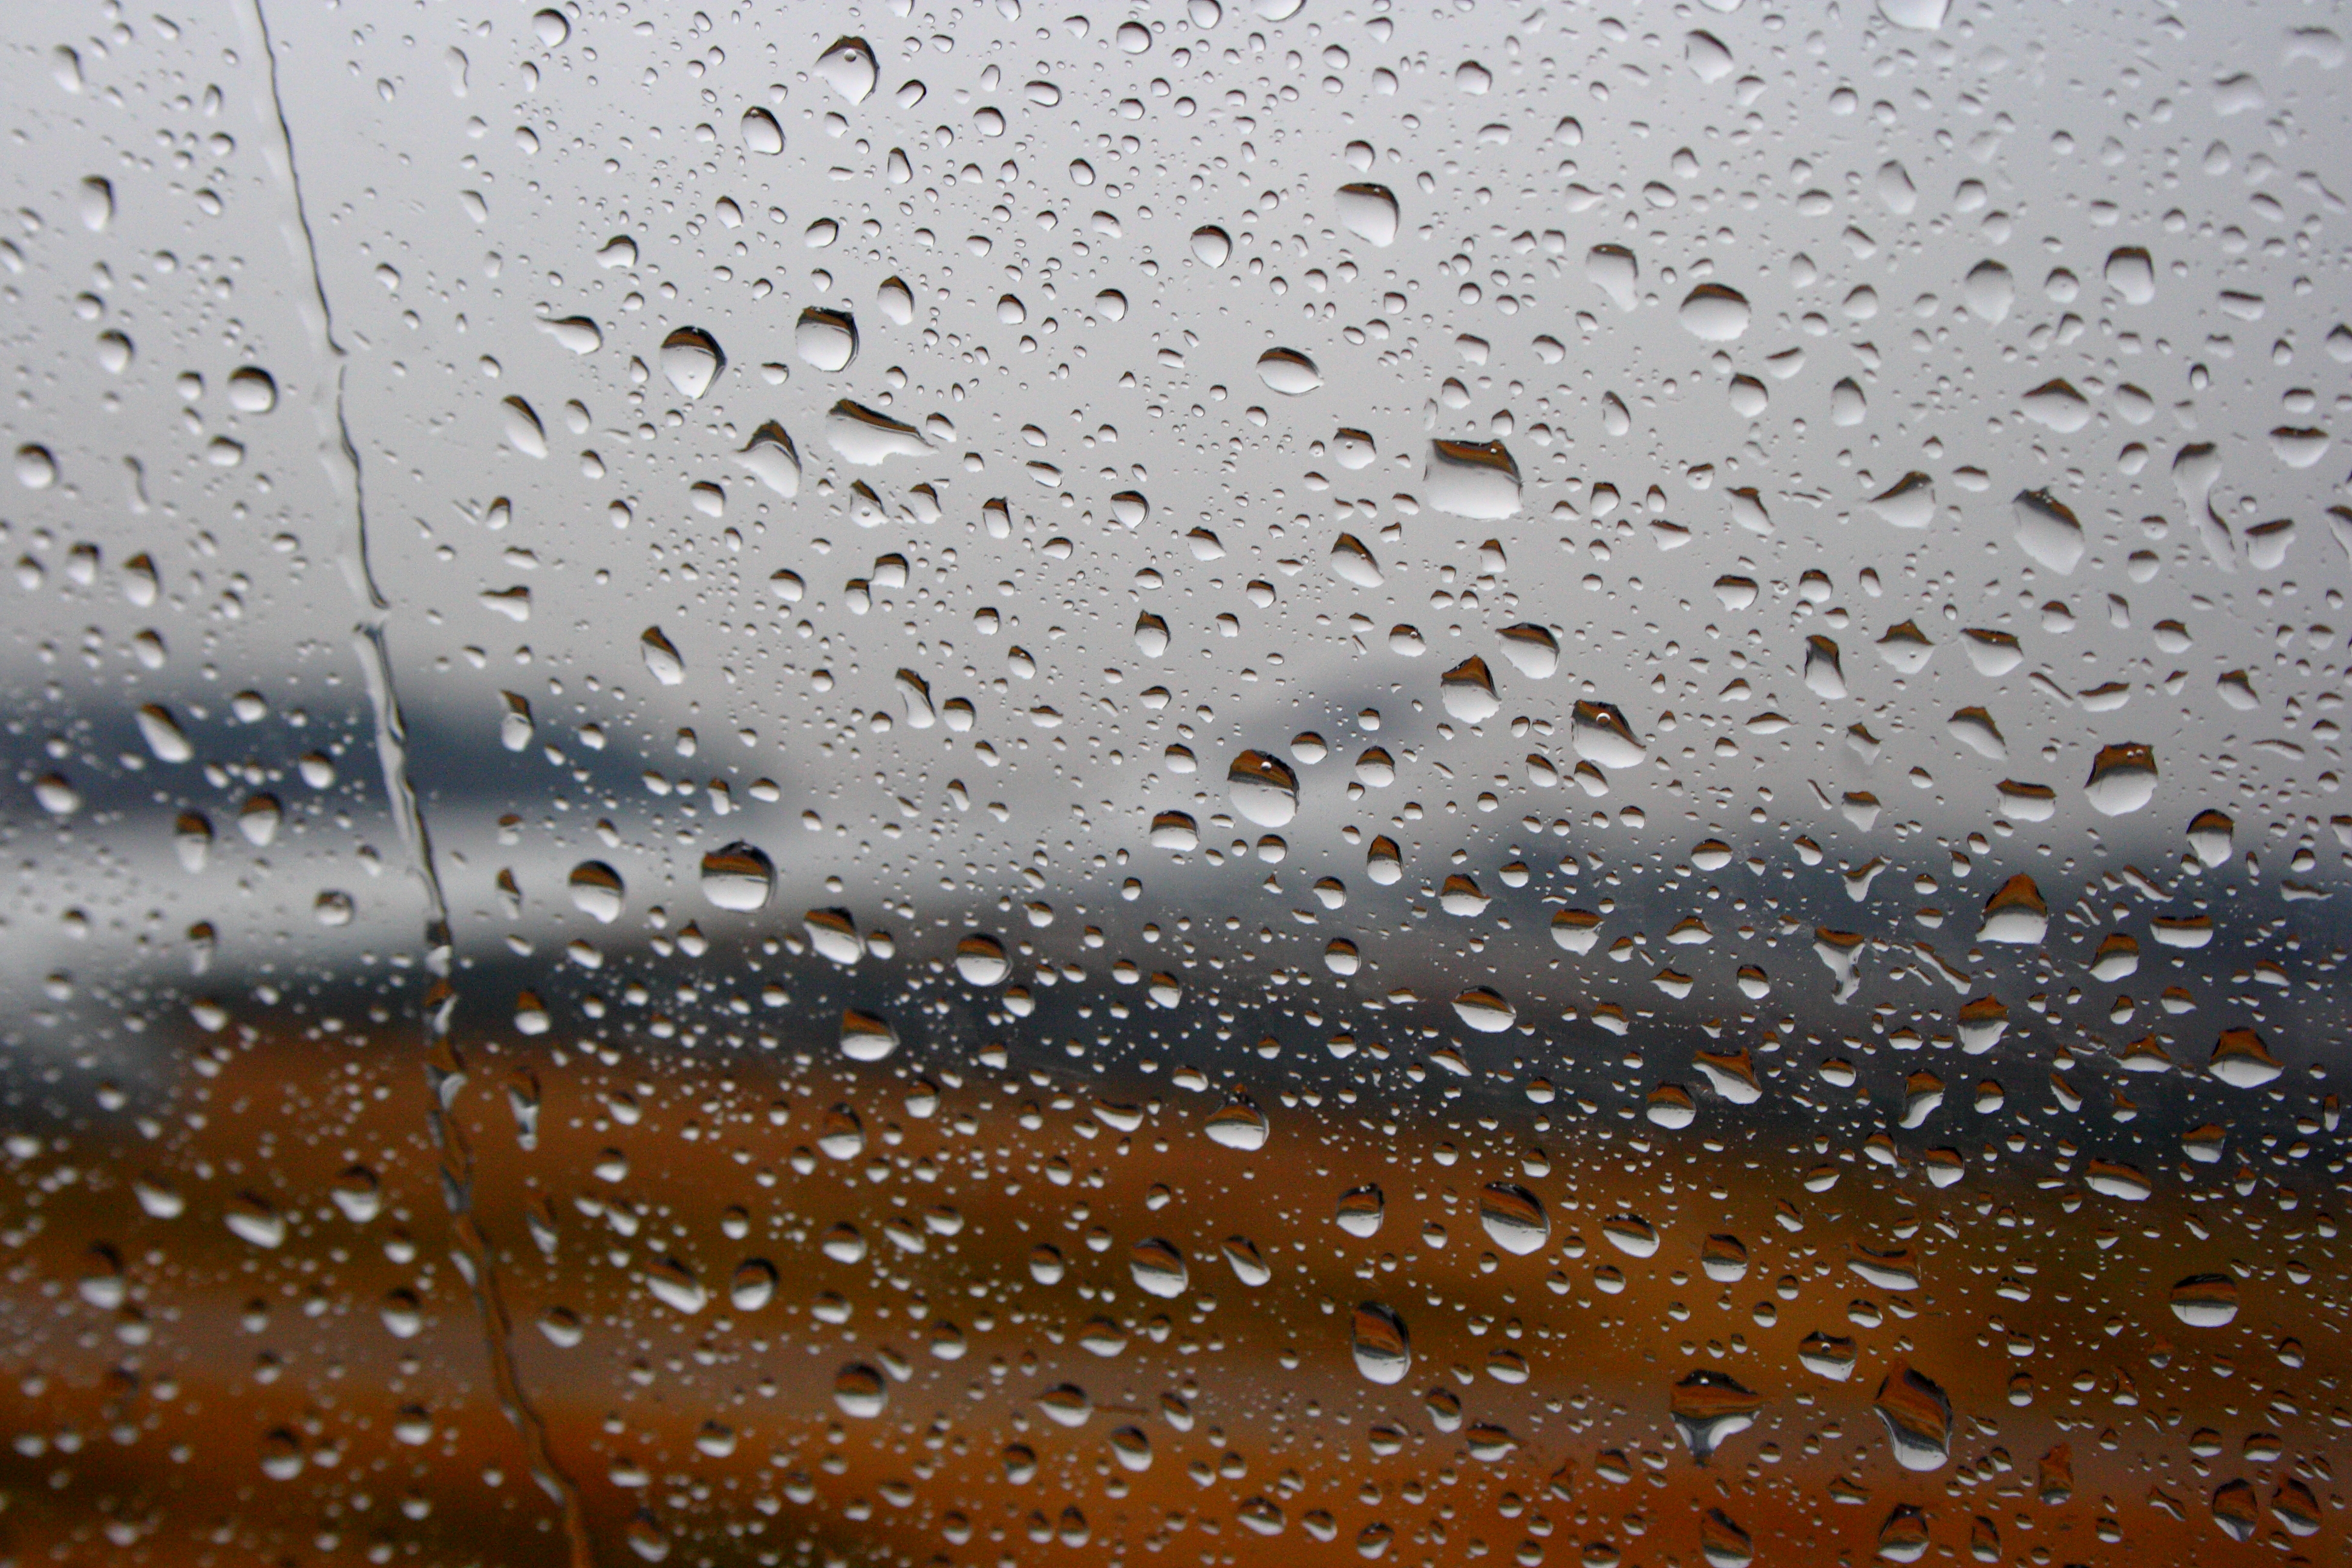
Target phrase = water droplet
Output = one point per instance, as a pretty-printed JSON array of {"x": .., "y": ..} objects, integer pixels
[
  {"x": 1714, "y": 313},
  {"x": 165, "y": 739},
  {"x": 2123, "y": 779},
  {"x": 1368, "y": 212},
  {"x": 859, "y": 1390},
  {"x": 1918, "y": 1417},
  {"x": 834, "y": 934},
  {"x": 1513, "y": 1217},
  {"x": 849, "y": 67},
  {"x": 251, "y": 390},
  {"x": 1601, "y": 736},
  {"x": 1237, "y": 1124},
  {"x": 524, "y": 431},
  {"x": 866, "y": 1036},
  {"x": 866, "y": 438},
  {"x": 1612, "y": 270},
  {"x": 773, "y": 460},
  {"x": 1708, "y": 1406},
  {"x": 1467, "y": 691},
  {"x": 1158, "y": 1269},
  {"x": 2242, "y": 1060},
  {"x": 1474, "y": 480},
  {"x": 1289, "y": 372},
  {"x": 1485, "y": 1010},
  {"x": 2131, "y": 273},
  {"x": 981, "y": 960},
  {"x": 2016, "y": 913},
  {"x": 1212, "y": 245},
  {"x": 36, "y": 469},
  {"x": 2047, "y": 530},
  {"x": 1532, "y": 650},
  {"x": 825, "y": 339},
  {"x": 690, "y": 359},
  {"x": 738, "y": 877},
  {"x": 761, "y": 134},
  {"x": 1360, "y": 1211},
  {"x": 1381, "y": 1343},
  {"x": 1352, "y": 562},
  {"x": 1263, "y": 788},
  {"x": 661, "y": 657}
]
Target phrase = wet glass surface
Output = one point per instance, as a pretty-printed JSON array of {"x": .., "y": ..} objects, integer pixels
[{"x": 990, "y": 784}]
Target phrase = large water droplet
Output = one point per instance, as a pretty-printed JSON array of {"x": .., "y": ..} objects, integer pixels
[
  {"x": 980, "y": 958},
  {"x": 1467, "y": 691},
  {"x": 1369, "y": 211},
  {"x": 1513, "y": 1217},
  {"x": 1381, "y": 1343},
  {"x": 850, "y": 68},
  {"x": 690, "y": 358},
  {"x": 2123, "y": 779},
  {"x": 1360, "y": 1211},
  {"x": 866, "y": 1036},
  {"x": 1708, "y": 1406},
  {"x": 597, "y": 892},
  {"x": 2206, "y": 1301},
  {"x": 1289, "y": 372},
  {"x": 1473, "y": 480},
  {"x": 1714, "y": 313},
  {"x": 1918, "y": 1417},
  {"x": 738, "y": 877},
  {"x": 662, "y": 657},
  {"x": 825, "y": 339},
  {"x": 1237, "y": 1125},
  {"x": 761, "y": 134},
  {"x": 1263, "y": 788},
  {"x": 2047, "y": 530},
  {"x": 1158, "y": 1269},
  {"x": 865, "y": 437},
  {"x": 1485, "y": 1010},
  {"x": 772, "y": 459}
]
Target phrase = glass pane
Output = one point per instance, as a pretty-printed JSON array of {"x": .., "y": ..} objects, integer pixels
[{"x": 986, "y": 784}]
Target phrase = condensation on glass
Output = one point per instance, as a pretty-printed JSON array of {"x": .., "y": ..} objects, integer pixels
[{"x": 998, "y": 784}]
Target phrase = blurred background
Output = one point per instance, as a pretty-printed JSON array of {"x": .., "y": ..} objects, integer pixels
[{"x": 863, "y": 784}]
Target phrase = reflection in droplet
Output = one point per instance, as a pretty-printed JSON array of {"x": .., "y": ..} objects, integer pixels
[
  {"x": 865, "y": 437},
  {"x": 1368, "y": 212},
  {"x": 1485, "y": 1010},
  {"x": 2206, "y": 1301},
  {"x": 597, "y": 892},
  {"x": 1715, "y": 314},
  {"x": 1381, "y": 1343},
  {"x": 1263, "y": 788},
  {"x": 662, "y": 657},
  {"x": 2123, "y": 779},
  {"x": 1918, "y": 1417},
  {"x": 850, "y": 68},
  {"x": 981, "y": 960},
  {"x": 738, "y": 877},
  {"x": 1473, "y": 480},
  {"x": 1513, "y": 1217},
  {"x": 1289, "y": 372},
  {"x": 690, "y": 358},
  {"x": 866, "y": 1036},
  {"x": 2047, "y": 530},
  {"x": 761, "y": 134},
  {"x": 772, "y": 459},
  {"x": 825, "y": 339},
  {"x": 1158, "y": 1269},
  {"x": 1708, "y": 1406}
]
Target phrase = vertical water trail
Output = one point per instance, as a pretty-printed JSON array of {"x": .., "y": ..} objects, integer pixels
[{"x": 445, "y": 1065}]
